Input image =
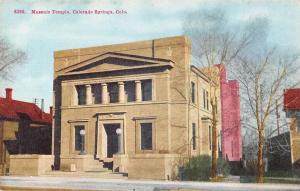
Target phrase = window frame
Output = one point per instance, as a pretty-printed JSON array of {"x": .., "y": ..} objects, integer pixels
[
  {"x": 143, "y": 88},
  {"x": 79, "y": 94},
  {"x": 194, "y": 143},
  {"x": 133, "y": 94},
  {"x": 138, "y": 122},
  {"x": 75, "y": 136},
  {"x": 193, "y": 92},
  {"x": 116, "y": 92},
  {"x": 73, "y": 123},
  {"x": 141, "y": 136},
  {"x": 207, "y": 100},
  {"x": 204, "y": 98}
]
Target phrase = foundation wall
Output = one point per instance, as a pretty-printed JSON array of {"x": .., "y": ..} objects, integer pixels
[{"x": 30, "y": 165}]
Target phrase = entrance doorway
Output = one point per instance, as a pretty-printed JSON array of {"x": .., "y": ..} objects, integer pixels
[{"x": 112, "y": 138}]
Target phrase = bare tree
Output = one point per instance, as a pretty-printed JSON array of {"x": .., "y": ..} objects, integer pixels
[
  {"x": 263, "y": 75},
  {"x": 215, "y": 41},
  {"x": 9, "y": 58}
]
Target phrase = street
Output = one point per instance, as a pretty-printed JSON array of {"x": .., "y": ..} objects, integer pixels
[{"x": 75, "y": 183}]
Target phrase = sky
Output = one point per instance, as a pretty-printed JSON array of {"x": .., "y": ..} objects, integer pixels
[{"x": 39, "y": 35}]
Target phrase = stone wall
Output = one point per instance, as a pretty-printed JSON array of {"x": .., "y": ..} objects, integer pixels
[
  {"x": 153, "y": 166},
  {"x": 30, "y": 165}
]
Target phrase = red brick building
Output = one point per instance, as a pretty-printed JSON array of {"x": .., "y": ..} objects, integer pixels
[
  {"x": 231, "y": 121},
  {"x": 292, "y": 109},
  {"x": 24, "y": 129}
]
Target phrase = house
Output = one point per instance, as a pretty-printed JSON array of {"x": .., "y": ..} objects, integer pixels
[
  {"x": 278, "y": 152},
  {"x": 140, "y": 108},
  {"x": 292, "y": 109},
  {"x": 24, "y": 129}
]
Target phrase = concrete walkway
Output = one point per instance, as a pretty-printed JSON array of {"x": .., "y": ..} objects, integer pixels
[{"x": 136, "y": 185}]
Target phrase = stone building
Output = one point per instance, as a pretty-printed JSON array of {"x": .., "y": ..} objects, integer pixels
[
  {"x": 292, "y": 109},
  {"x": 140, "y": 108},
  {"x": 24, "y": 129}
]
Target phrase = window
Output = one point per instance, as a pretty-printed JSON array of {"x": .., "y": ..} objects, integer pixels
[
  {"x": 207, "y": 103},
  {"x": 81, "y": 92},
  {"x": 78, "y": 137},
  {"x": 96, "y": 93},
  {"x": 209, "y": 136},
  {"x": 193, "y": 92},
  {"x": 204, "y": 99},
  {"x": 194, "y": 136},
  {"x": 146, "y": 136},
  {"x": 113, "y": 91},
  {"x": 130, "y": 91},
  {"x": 146, "y": 90}
]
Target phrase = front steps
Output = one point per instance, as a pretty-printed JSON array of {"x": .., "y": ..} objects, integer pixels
[{"x": 97, "y": 169}]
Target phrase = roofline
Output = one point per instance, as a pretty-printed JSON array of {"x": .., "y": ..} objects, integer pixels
[
  {"x": 199, "y": 73},
  {"x": 186, "y": 39},
  {"x": 157, "y": 62},
  {"x": 17, "y": 120}
]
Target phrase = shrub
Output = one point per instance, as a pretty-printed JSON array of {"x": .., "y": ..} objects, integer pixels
[
  {"x": 198, "y": 168},
  {"x": 223, "y": 167},
  {"x": 251, "y": 168}
]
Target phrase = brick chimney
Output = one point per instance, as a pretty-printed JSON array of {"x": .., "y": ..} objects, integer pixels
[
  {"x": 51, "y": 111},
  {"x": 8, "y": 93}
]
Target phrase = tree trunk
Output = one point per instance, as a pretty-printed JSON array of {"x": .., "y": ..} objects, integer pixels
[
  {"x": 260, "y": 164},
  {"x": 214, "y": 143}
]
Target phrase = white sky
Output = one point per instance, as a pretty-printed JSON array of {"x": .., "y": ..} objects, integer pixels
[{"x": 40, "y": 35}]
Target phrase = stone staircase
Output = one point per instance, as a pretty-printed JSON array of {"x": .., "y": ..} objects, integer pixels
[{"x": 97, "y": 169}]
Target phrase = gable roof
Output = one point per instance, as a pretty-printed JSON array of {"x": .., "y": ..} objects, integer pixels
[
  {"x": 127, "y": 61},
  {"x": 13, "y": 110},
  {"x": 292, "y": 99}
]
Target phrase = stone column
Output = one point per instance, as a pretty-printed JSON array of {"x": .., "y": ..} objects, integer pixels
[
  {"x": 121, "y": 92},
  {"x": 88, "y": 94},
  {"x": 75, "y": 96},
  {"x": 104, "y": 93},
  {"x": 138, "y": 90}
]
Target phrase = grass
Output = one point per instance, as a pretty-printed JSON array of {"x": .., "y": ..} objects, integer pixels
[
  {"x": 278, "y": 180},
  {"x": 279, "y": 173}
]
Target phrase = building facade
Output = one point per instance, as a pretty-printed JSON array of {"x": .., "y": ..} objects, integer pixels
[
  {"x": 292, "y": 109},
  {"x": 24, "y": 129},
  {"x": 140, "y": 108},
  {"x": 231, "y": 120}
]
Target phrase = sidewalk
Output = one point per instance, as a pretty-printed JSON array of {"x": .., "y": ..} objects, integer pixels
[{"x": 76, "y": 183}]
